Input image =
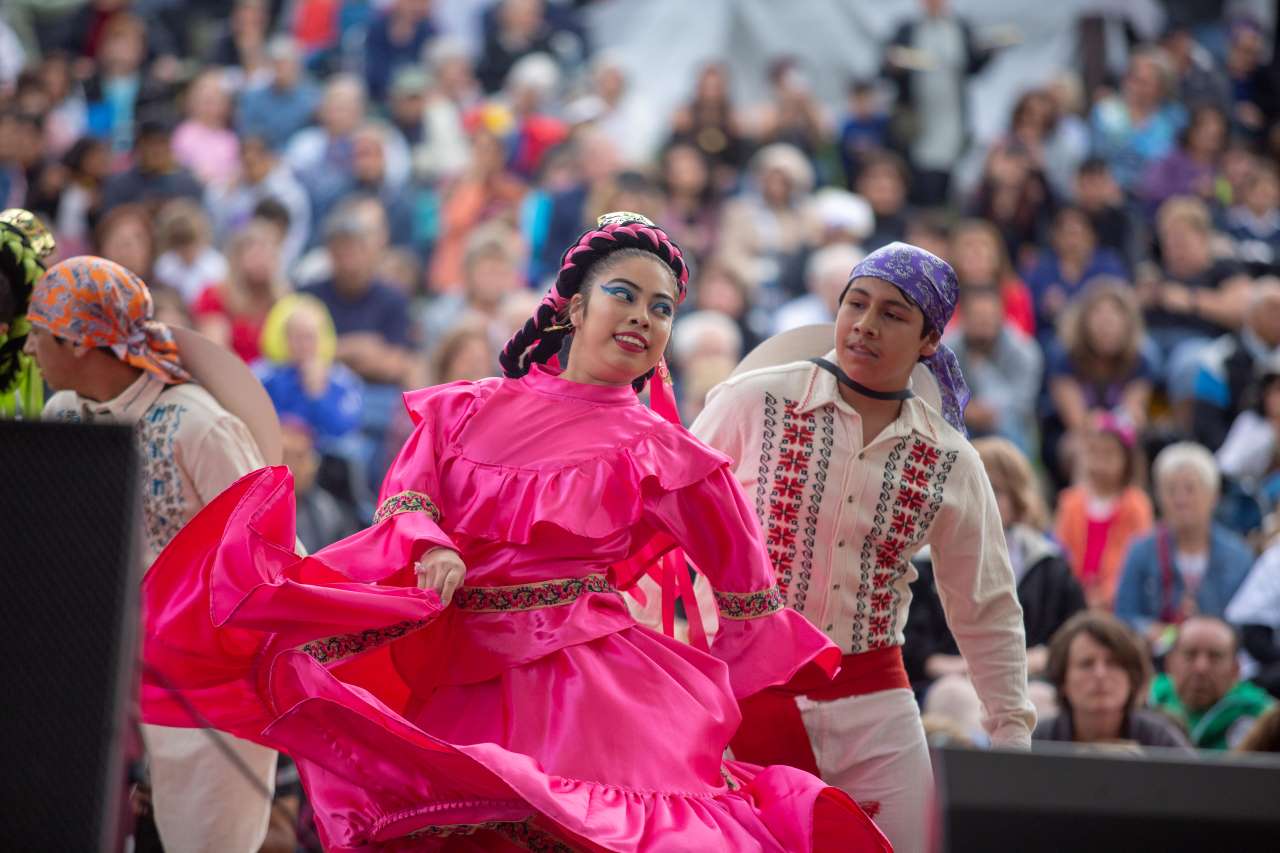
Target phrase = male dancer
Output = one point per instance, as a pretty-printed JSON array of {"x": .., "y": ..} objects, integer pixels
[
  {"x": 851, "y": 475},
  {"x": 94, "y": 338}
]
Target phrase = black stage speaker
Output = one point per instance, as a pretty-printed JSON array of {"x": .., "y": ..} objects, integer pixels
[
  {"x": 1058, "y": 798},
  {"x": 68, "y": 630}
]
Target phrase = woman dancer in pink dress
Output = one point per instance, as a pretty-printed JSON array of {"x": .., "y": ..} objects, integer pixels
[{"x": 464, "y": 674}]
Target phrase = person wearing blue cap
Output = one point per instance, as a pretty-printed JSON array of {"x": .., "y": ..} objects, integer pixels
[{"x": 851, "y": 475}]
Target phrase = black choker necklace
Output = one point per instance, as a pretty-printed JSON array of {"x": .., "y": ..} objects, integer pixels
[{"x": 843, "y": 379}]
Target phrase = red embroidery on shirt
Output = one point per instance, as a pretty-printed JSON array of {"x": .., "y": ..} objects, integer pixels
[
  {"x": 788, "y": 487},
  {"x": 792, "y": 460},
  {"x": 910, "y": 496},
  {"x": 925, "y": 454},
  {"x": 785, "y": 512}
]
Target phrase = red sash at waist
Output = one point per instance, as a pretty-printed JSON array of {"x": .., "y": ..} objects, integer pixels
[{"x": 772, "y": 730}]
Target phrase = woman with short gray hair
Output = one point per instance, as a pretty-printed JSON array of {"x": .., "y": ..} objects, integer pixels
[{"x": 1190, "y": 564}]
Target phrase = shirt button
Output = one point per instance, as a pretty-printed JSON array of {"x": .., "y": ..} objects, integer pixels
[
  {"x": 840, "y": 544},
  {"x": 835, "y": 586},
  {"x": 862, "y": 455},
  {"x": 849, "y": 499},
  {"x": 830, "y": 627}
]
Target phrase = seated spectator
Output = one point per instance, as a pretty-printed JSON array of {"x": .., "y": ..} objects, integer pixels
[
  {"x": 710, "y": 121},
  {"x": 241, "y": 47},
  {"x": 485, "y": 190},
  {"x": 371, "y": 318},
  {"x": 1201, "y": 686},
  {"x": 1101, "y": 672},
  {"x": 864, "y": 128},
  {"x": 981, "y": 260},
  {"x": 792, "y": 112},
  {"x": 275, "y": 111},
  {"x": 841, "y": 217},
  {"x": 767, "y": 226},
  {"x": 1101, "y": 515},
  {"x": 465, "y": 353},
  {"x": 517, "y": 29},
  {"x": 1061, "y": 272},
  {"x": 205, "y": 143},
  {"x": 691, "y": 210},
  {"x": 1013, "y": 195},
  {"x": 1191, "y": 168},
  {"x": 188, "y": 261},
  {"x": 1048, "y": 593},
  {"x": 1192, "y": 298},
  {"x": 1003, "y": 368},
  {"x": 155, "y": 176},
  {"x": 721, "y": 286},
  {"x": 702, "y": 336},
  {"x": 232, "y": 312},
  {"x": 298, "y": 370},
  {"x": 369, "y": 177},
  {"x": 1140, "y": 125},
  {"x": 125, "y": 235},
  {"x": 88, "y": 166},
  {"x": 322, "y": 157},
  {"x": 1190, "y": 564},
  {"x": 826, "y": 274},
  {"x": 1250, "y": 454},
  {"x": 491, "y": 269},
  {"x": 1229, "y": 367},
  {"x": 320, "y": 518},
  {"x": 123, "y": 86},
  {"x": 526, "y": 103},
  {"x": 1254, "y": 95},
  {"x": 1255, "y": 612},
  {"x": 883, "y": 183},
  {"x": 1253, "y": 223},
  {"x": 1097, "y": 364},
  {"x": 1066, "y": 147},
  {"x": 394, "y": 40},
  {"x": 262, "y": 176},
  {"x": 1116, "y": 225}
]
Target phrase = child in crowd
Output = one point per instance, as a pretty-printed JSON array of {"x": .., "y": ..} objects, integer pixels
[
  {"x": 188, "y": 261},
  {"x": 1104, "y": 511}
]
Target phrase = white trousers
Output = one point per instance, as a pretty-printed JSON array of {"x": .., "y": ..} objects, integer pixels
[
  {"x": 203, "y": 802},
  {"x": 873, "y": 748}
]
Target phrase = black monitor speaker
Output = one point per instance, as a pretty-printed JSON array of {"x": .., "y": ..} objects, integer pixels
[
  {"x": 1058, "y": 798},
  {"x": 68, "y": 629}
]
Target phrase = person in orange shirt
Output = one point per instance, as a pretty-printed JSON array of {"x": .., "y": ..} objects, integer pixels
[{"x": 1104, "y": 511}]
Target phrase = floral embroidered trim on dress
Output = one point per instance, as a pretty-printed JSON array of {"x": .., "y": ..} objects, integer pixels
[
  {"x": 496, "y": 599},
  {"x": 341, "y": 646},
  {"x": 749, "y": 605},
  {"x": 406, "y": 502},
  {"x": 521, "y": 833}
]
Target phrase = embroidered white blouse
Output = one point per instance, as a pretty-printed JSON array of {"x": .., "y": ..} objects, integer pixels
[
  {"x": 843, "y": 518},
  {"x": 190, "y": 449}
]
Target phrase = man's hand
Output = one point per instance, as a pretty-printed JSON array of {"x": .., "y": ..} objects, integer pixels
[{"x": 441, "y": 569}]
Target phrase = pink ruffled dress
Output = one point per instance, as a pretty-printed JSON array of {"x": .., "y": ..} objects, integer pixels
[{"x": 533, "y": 712}]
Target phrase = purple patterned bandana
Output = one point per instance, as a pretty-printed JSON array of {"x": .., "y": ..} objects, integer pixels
[{"x": 930, "y": 283}]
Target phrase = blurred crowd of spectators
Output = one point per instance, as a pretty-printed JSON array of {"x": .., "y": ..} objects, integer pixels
[{"x": 357, "y": 202}]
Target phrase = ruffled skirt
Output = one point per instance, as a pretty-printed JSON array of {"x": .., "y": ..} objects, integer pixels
[{"x": 605, "y": 737}]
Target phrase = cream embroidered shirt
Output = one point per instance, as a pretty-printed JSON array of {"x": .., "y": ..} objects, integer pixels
[
  {"x": 842, "y": 518},
  {"x": 190, "y": 449}
]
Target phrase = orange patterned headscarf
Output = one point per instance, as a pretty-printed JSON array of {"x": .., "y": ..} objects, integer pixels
[{"x": 98, "y": 303}]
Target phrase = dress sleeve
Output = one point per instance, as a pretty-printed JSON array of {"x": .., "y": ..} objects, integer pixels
[
  {"x": 763, "y": 643},
  {"x": 975, "y": 583},
  {"x": 409, "y": 519}
]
